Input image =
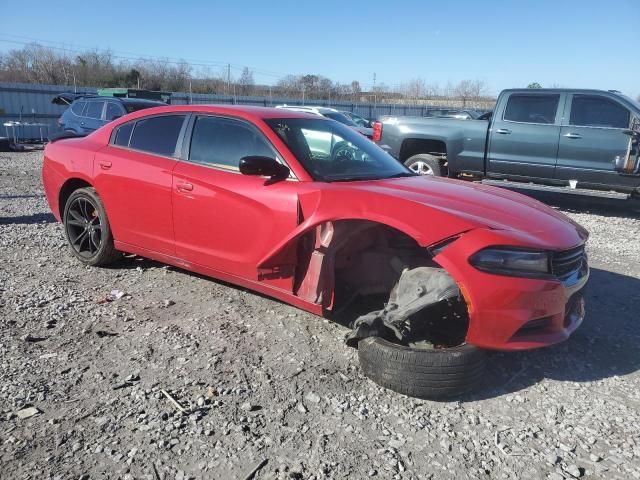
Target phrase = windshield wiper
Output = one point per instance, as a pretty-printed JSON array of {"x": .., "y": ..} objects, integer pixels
[
  {"x": 402, "y": 174},
  {"x": 353, "y": 179}
]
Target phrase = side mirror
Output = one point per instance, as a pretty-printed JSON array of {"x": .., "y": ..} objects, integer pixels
[{"x": 264, "y": 167}]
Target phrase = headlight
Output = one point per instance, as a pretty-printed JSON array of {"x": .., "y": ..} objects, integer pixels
[{"x": 511, "y": 261}]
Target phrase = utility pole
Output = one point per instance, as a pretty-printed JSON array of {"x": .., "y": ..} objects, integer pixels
[
  {"x": 375, "y": 95},
  {"x": 228, "y": 79}
]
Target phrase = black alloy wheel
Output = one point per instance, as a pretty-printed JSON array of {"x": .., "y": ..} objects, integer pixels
[
  {"x": 87, "y": 228},
  {"x": 84, "y": 229}
]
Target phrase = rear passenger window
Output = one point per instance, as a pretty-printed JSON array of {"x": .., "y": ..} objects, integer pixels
[
  {"x": 596, "y": 111},
  {"x": 94, "y": 110},
  {"x": 77, "y": 107},
  {"x": 157, "y": 135},
  {"x": 532, "y": 108},
  {"x": 123, "y": 134},
  {"x": 224, "y": 141}
]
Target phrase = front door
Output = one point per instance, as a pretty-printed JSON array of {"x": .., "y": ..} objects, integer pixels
[
  {"x": 591, "y": 138},
  {"x": 523, "y": 142},
  {"x": 222, "y": 219}
]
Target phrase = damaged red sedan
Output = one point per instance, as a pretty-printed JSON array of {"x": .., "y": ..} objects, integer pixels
[{"x": 428, "y": 272}]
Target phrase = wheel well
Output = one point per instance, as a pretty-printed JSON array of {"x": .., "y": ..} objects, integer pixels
[
  {"x": 67, "y": 189},
  {"x": 414, "y": 146},
  {"x": 368, "y": 261}
]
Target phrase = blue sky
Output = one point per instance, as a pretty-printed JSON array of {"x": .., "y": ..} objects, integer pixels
[{"x": 583, "y": 43}]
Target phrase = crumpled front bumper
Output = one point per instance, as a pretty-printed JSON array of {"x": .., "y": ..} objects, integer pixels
[{"x": 513, "y": 313}]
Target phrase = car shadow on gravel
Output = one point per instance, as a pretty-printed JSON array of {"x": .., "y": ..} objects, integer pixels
[
  {"x": 605, "y": 345},
  {"x": 28, "y": 219},
  {"x": 606, "y": 207}
]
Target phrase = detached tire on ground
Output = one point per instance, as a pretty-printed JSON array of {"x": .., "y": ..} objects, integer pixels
[
  {"x": 425, "y": 164},
  {"x": 422, "y": 373}
]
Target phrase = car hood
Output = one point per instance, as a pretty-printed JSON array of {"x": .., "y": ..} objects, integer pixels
[{"x": 481, "y": 206}]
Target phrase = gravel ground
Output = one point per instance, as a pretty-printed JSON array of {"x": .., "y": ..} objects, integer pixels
[{"x": 260, "y": 380}]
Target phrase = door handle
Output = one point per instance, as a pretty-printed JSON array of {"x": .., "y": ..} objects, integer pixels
[
  {"x": 184, "y": 187},
  {"x": 503, "y": 131},
  {"x": 105, "y": 165},
  {"x": 572, "y": 135}
]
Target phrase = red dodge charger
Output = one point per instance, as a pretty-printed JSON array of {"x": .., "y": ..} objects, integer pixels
[{"x": 428, "y": 272}]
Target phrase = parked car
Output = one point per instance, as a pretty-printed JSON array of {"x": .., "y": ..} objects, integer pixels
[
  {"x": 87, "y": 113},
  {"x": 584, "y": 139},
  {"x": 333, "y": 114},
  {"x": 434, "y": 271},
  {"x": 357, "y": 119}
]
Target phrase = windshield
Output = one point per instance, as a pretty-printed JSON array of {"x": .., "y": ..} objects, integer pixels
[
  {"x": 360, "y": 121},
  {"x": 633, "y": 102},
  {"x": 331, "y": 152},
  {"x": 340, "y": 117}
]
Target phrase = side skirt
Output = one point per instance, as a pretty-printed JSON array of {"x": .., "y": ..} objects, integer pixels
[{"x": 277, "y": 293}]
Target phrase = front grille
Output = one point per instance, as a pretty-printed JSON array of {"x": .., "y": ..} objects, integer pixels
[{"x": 566, "y": 262}]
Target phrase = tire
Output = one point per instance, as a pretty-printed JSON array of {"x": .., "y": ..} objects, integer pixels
[
  {"x": 422, "y": 373},
  {"x": 87, "y": 229},
  {"x": 425, "y": 164}
]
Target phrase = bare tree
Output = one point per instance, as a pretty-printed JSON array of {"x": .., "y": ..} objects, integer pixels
[
  {"x": 246, "y": 82},
  {"x": 416, "y": 88},
  {"x": 356, "y": 90},
  {"x": 470, "y": 90}
]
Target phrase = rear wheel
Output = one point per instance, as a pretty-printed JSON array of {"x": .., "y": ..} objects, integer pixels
[
  {"x": 425, "y": 164},
  {"x": 87, "y": 228},
  {"x": 422, "y": 373}
]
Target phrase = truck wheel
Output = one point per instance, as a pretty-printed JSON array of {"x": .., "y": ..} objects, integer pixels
[
  {"x": 422, "y": 373},
  {"x": 425, "y": 164}
]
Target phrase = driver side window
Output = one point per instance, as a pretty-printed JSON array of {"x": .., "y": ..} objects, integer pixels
[{"x": 222, "y": 142}]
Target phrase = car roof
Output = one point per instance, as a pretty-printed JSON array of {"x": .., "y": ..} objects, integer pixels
[
  {"x": 125, "y": 100},
  {"x": 307, "y": 108},
  {"x": 559, "y": 90}
]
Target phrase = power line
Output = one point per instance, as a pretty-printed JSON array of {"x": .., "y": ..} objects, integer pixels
[
  {"x": 126, "y": 55},
  {"x": 133, "y": 57}
]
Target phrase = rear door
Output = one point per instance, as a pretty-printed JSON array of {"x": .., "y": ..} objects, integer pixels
[
  {"x": 133, "y": 177},
  {"x": 591, "y": 137},
  {"x": 93, "y": 116},
  {"x": 523, "y": 141}
]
